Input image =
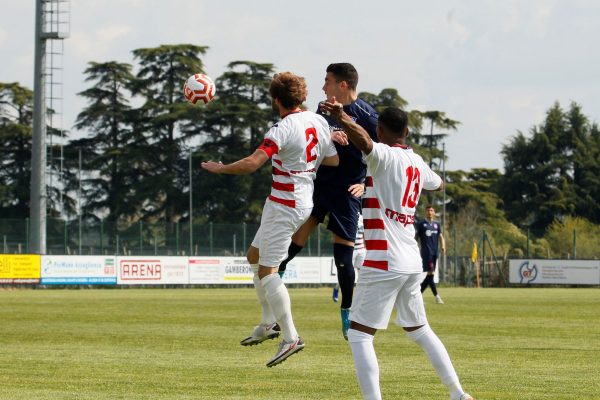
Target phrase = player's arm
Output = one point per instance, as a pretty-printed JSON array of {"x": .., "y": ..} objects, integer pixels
[
  {"x": 356, "y": 133},
  {"x": 442, "y": 242},
  {"x": 244, "y": 166},
  {"x": 331, "y": 161}
]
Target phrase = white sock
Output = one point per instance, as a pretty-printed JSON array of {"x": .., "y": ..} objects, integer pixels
[
  {"x": 267, "y": 317},
  {"x": 435, "y": 350},
  {"x": 279, "y": 300},
  {"x": 365, "y": 362}
]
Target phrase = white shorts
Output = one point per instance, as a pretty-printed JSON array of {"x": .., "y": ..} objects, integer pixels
[
  {"x": 358, "y": 257},
  {"x": 277, "y": 225},
  {"x": 376, "y": 294}
]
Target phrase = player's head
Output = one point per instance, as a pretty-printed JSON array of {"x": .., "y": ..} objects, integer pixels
[
  {"x": 392, "y": 126},
  {"x": 341, "y": 80},
  {"x": 429, "y": 211},
  {"x": 289, "y": 90}
]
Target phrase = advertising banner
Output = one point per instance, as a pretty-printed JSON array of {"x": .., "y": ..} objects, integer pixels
[
  {"x": 555, "y": 272},
  {"x": 19, "y": 268},
  {"x": 306, "y": 270},
  {"x": 152, "y": 270},
  {"x": 78, "y": 270},
  {"x": 219, "y": 270}
]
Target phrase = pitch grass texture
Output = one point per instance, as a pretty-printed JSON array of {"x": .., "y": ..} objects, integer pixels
[{"x": 184, "y": 344}]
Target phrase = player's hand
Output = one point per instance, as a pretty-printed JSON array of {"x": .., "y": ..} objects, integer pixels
[
  {"x": 357, "y": 190},
  {"x": 332, "y": 107},
  {"x": 211, "y": 166},
  {"x": 340, "y": 137}
]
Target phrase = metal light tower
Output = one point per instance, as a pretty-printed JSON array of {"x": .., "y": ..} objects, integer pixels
[{"x": 51, "y": 23}]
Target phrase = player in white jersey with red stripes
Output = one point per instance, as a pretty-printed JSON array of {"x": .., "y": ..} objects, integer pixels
[
  {"x": 391, "y": 273},
  {"x": 297, "y": 145}
]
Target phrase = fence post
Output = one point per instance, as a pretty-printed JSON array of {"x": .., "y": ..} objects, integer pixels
[
  {"x": 177, "y": 238},
  {"x": 483, "y": 258},
  {"x": 210, "y": 236},
  {"x": 27, "y": 232},
  {"x": 141, "y": 237},
  {"x": 65, "y": 238},
  {"x": 101, "y": 236},
  {"x": 244, "y": 235},
  {"x": 234, "y": 247},
  {"x": 527, "y": 250},
  {"x": 574, "y": 244}
]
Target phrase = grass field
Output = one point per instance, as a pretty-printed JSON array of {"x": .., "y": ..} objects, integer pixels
[{"x": 183, "y": 344}]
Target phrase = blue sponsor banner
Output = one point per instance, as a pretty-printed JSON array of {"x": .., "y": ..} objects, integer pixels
[{"x": 79, "y": 281}]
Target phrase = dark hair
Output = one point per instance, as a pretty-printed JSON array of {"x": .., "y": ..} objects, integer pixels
[
  {"x": 344, "y": 72},
  {"x": 394, "y": 119},
  {"x": 290, "y": 89},
  {"x": 428, "y": 206}
]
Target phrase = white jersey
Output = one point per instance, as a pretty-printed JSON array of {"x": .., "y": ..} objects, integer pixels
[
  {"x": 395, "y": 178},
  {"x": 297, "y": 145},
  {"x": 359, "y": 242}
]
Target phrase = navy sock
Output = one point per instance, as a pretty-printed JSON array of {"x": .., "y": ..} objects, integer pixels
[
  {"x": 292, "y": 251},
  {"x": 342, "y": 255}
]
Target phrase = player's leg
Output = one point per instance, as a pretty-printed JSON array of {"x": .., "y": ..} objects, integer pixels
[
  {"x": 280, "y": 223},
  {"x": 343, "y": 222},
  {"x": 371, "y": 310},
  {"x": 268, "y": 327},
  {"x": 411, "y": 316}
]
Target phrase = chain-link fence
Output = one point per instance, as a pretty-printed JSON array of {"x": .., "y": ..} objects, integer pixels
[{"x": 105, "y": 237}]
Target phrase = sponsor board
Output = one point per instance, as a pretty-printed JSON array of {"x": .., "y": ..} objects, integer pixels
[
  {"x": 19, "y": 268},
  {"x": 306, "y": 270},
  {"x": 153, "y": 270},
  {"x": 78, "y": 270},
  {"x": 554, "y": 272},
  {"x": 219, "y": 270}
]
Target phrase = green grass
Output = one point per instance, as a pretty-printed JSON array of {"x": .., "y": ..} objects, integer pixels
[{"x": 183, "y": 344}]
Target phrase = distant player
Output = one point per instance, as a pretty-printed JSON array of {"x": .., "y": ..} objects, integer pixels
[
  {"x": 391, "y": 273},
  {"x": 297, "y": 144},
  {"x": 429, "y": 233},
  {"x": 338, "y": 190},
  {"x": 357, "y": 257}
]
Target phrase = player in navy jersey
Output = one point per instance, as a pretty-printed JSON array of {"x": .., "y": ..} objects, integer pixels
[
  {"x": 429, "y": 233},
  {"x": 338, "y": 190}
]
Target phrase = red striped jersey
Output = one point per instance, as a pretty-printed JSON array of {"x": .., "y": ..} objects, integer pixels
[
  {"x": 395, "y": 177},
  {"x": 297, "y": 145}
]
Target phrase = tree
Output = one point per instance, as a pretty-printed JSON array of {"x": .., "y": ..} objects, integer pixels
[
  {"x": 163, "y": 186},
  {"x": 16, "y": 120},
  {"x": 552, "y": 174},
  {"x": 234, "y": 125},
  {"x": 111, "y": 148},
  {"x": 437, "y": 119}
]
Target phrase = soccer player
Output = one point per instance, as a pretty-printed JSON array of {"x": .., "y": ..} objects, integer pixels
[
  {"x": 297, "y": 145},
  {"x": 338, "y": 190},
  {"x": 391, "y": 273},
  {"x": 429, "y": 233}
]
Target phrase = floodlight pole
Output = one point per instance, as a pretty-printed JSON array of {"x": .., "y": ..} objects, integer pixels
[{"x": 37, "y": 233}]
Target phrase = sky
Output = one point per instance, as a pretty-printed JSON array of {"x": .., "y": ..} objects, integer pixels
[{"x": 496, "y": 66}]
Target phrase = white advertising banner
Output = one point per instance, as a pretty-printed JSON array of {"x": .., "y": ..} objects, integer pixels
[
  {"x": 304, "y": 270},
  {"x": 78, "y": 270},
  {"x": 219, "y": 270},
  {"x": 152, "y": 270},
  {"x": 555, "y": 272}
]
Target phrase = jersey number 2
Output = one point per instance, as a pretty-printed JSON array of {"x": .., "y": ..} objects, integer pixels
[
  {"x": 413, "y": 185},
  {"x": 311, "y": 138}
]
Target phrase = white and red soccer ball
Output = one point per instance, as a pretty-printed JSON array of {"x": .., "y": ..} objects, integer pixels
[{"x": 199, "y": 89}]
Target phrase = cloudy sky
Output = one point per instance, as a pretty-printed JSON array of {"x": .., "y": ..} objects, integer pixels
[{"x": 494, "y": 65}]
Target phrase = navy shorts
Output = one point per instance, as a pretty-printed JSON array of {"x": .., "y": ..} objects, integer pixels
[
  {"x": 429, "y": 264},
  {"x": 342, "y": 207}
]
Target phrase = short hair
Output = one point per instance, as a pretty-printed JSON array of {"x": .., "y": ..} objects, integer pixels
[
  {"x": 344, "y": 72},
  {"x": 395, "y": 120},
  {"x": 428, "y": 206},
  {"x": 289, "y": 89}
]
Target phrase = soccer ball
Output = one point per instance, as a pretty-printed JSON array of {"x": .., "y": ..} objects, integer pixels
[{"x": 199, "y": 89}]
